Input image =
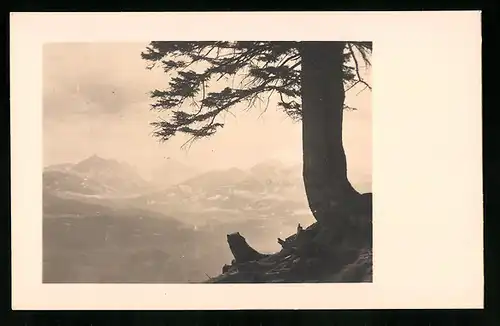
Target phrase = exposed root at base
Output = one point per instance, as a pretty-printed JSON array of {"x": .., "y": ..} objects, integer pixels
[{"x": 311, "y": 255}]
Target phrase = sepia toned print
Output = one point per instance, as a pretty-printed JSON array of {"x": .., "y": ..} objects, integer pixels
[{"x": 207, "y": 162}]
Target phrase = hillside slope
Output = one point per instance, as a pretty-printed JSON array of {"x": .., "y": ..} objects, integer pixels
[{"x": 90, "y": 243}]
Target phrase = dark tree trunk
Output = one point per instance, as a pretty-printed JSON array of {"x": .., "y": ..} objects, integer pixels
[{"x": 324, "y": 161}]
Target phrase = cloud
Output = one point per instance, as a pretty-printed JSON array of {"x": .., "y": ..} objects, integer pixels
[{"x": 94, "y": 79}]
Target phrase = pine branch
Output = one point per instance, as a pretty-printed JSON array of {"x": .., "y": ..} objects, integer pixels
[{"x": 265, "y": 68}]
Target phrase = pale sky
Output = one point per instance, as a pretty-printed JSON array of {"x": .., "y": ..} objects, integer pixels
[{"x": 96, "y": 102}]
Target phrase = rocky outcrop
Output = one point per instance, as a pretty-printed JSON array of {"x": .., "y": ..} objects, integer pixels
[{"x": 310, "y": 255}]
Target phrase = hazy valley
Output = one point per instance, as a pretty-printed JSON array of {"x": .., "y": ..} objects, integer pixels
[{"x": 105, "y": 222}]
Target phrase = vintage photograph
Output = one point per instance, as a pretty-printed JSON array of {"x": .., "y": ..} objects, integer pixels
[{"x": 207, "y": 162}]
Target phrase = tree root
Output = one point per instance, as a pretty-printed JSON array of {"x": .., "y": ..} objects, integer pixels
[
  {"x": 241, "y": 250},
  {"x": 318, "y": 252}
]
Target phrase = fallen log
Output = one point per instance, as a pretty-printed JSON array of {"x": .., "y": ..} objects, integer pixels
[{"x": 241, "y": 250}]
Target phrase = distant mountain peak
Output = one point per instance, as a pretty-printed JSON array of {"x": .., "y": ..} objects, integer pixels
[
  {"x": 95, "y": 157},
  {"x": 110, "y": 173},
  {"x": 98, "y": 161}
]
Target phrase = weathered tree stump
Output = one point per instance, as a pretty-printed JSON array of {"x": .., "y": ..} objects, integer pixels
[{"x": 241, "y": 250}]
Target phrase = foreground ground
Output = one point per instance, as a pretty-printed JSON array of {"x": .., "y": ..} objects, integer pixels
[{"x": 312, "y": 255}]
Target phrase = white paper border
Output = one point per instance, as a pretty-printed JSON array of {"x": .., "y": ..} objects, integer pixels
[{"x": 427, "y": 173}]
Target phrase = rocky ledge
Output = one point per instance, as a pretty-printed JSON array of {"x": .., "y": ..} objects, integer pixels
[{"x": 312, "y": 255}]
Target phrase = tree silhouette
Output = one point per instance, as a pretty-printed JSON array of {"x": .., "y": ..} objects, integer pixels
[{"x": 310, "y": 79}]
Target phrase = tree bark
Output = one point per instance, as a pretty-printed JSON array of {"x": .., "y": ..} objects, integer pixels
[{"x": 324, "y": 160}]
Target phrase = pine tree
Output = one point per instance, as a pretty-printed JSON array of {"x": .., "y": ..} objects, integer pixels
[{"x": 310, "y": 79}]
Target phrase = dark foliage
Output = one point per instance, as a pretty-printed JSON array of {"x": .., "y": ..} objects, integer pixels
[{"x": 260, "y": 69}]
